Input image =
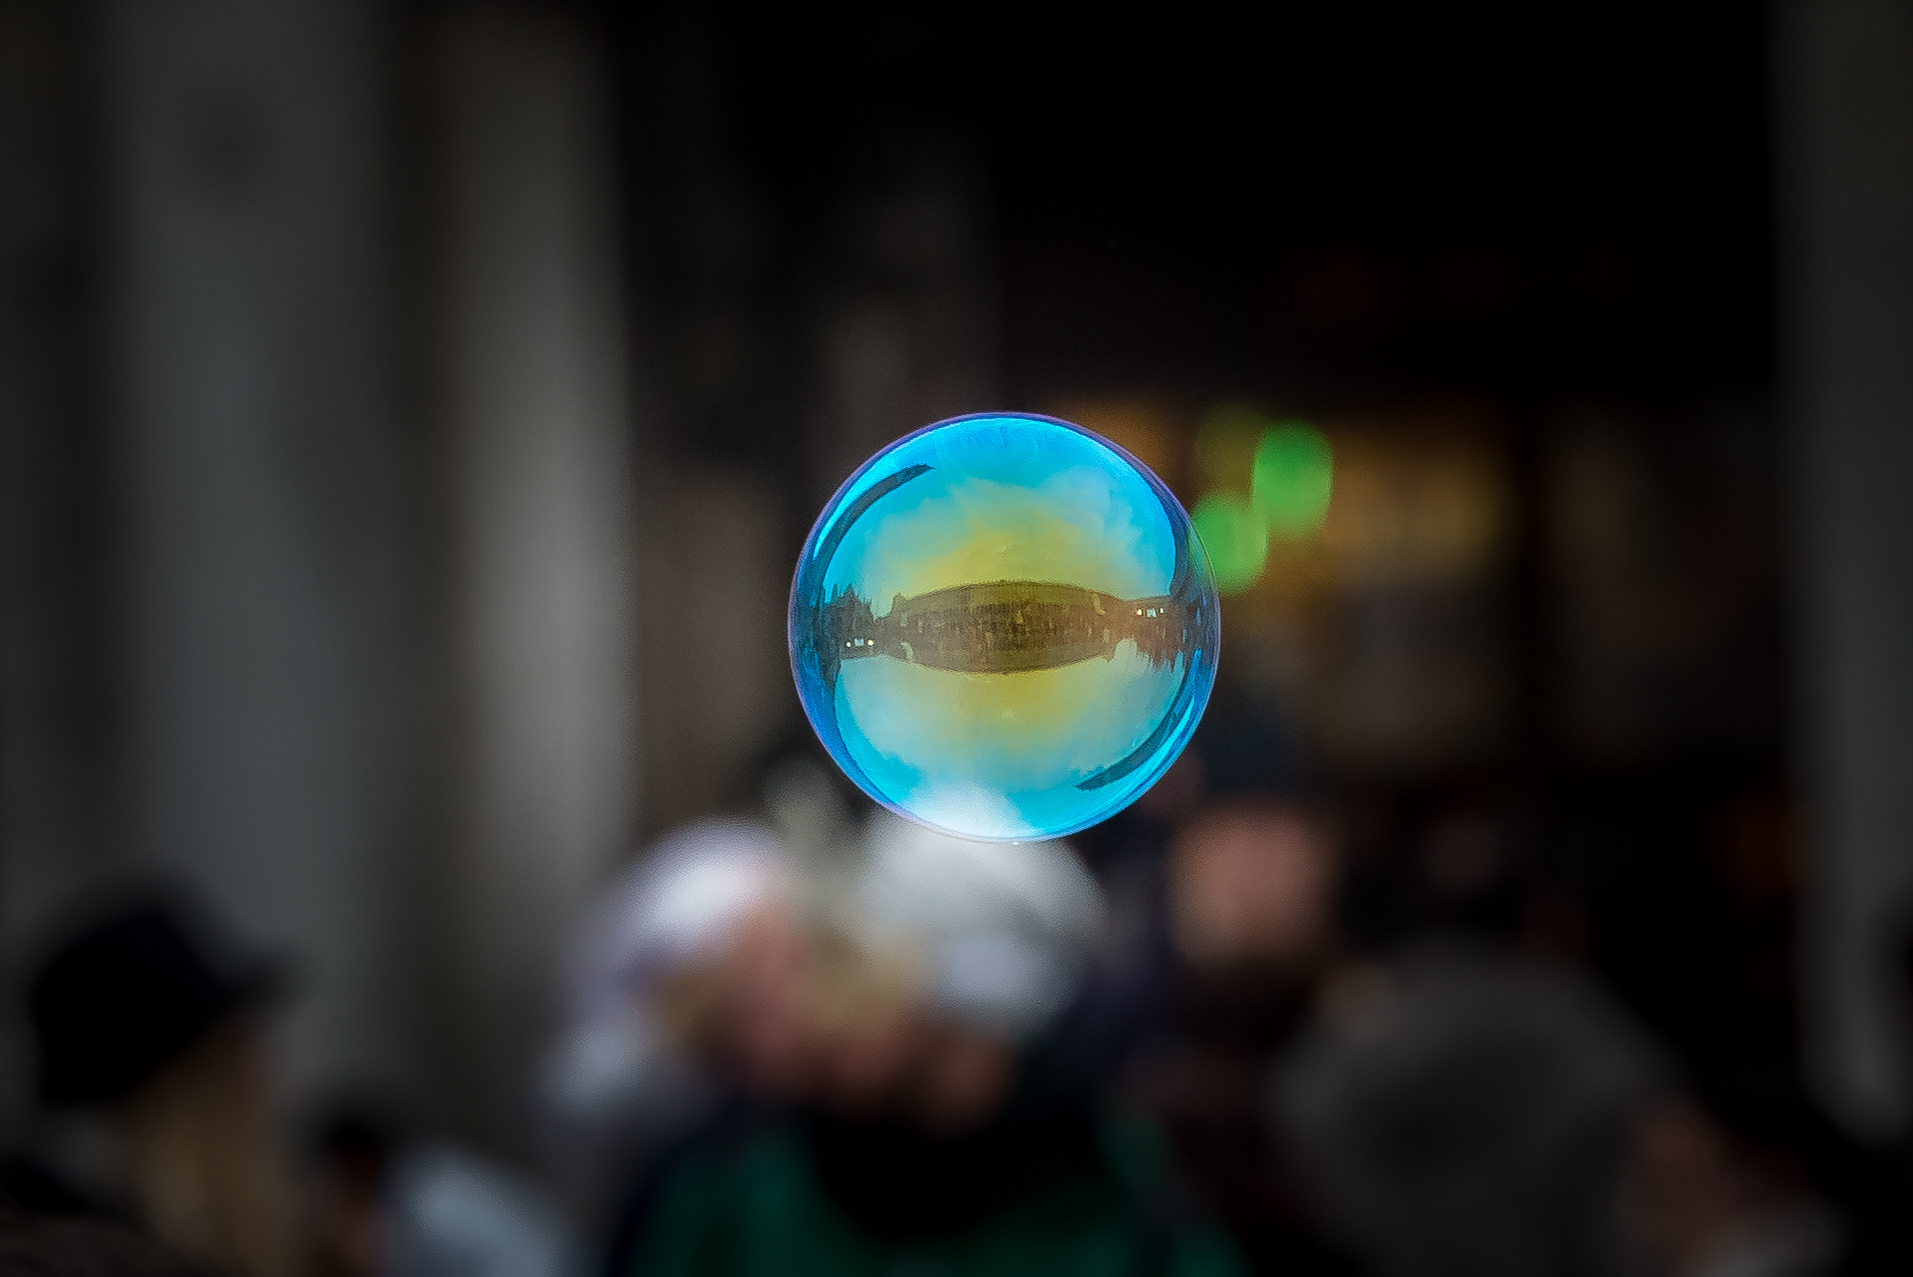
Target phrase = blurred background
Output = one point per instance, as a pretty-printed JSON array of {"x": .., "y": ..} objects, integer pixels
[{"x": 410, "y": 414}]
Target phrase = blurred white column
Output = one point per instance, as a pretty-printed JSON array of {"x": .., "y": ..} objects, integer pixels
[
  {"x": 532, "y": 365},
  {"x": 255, "y": 418},
  {"x": 1844, "y": 115}
]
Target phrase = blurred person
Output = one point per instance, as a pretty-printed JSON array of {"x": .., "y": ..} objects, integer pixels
[
  {"x": 678, "y": 991},
  {"x": 135, "y": 1017},
  {"x": 1455, "y": 1109},
  {"x": 1249, "y": 916},
  {"x": 1251, "y": 885},
  {"x": 1134, "y": 994},
  {"x": 959, "y": 952},
  {"x": 1451, "y": 1105},
  {"x": 1123, "y": 995},
  {"x": 932, "y": 1138}
]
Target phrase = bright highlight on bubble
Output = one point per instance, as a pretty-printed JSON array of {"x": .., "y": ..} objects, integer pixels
[{"x": 1004, "y": 627}]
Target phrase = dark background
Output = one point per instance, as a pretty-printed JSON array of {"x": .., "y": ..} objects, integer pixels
[{"x": 331, "y": 332}]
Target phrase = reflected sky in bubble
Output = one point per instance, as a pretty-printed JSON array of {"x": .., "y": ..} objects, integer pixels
[{"x": 1003, "y": 627}]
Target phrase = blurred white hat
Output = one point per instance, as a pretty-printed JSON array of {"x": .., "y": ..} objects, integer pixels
[
  {"x": 1002, "y": 931},
  {"x": 681, "y": 902}
]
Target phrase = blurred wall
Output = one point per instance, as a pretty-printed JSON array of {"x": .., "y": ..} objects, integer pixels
[
  {"x": 1844, "y": 108},
  {"x": 527, "y": 305},
  {"x": 256, "y": 460},
  {"x": 707, "y": 268},
  {"x": 319, "y": 553},
  {"x": 901, "y": 312},
  {"x": 410, "y": 418},
  {"x": 814, "y": 278}
]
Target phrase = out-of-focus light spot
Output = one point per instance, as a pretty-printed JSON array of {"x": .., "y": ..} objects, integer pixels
[
  {"x": 1235, "y": 536},
  {"x": 1292, "y": 477}
]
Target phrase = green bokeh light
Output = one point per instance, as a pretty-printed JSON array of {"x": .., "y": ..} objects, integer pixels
[
  {"x": 1236, "y": 537},
  {"x": 1293, "y": 476}
]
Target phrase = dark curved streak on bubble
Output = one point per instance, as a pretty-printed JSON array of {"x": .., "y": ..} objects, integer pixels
[
  {"x": 1140, "y": 755},
  {"x": 1179, "y": 583},
  {"x": 828, "y": 663},
  {"x": 861, "y": 506}
]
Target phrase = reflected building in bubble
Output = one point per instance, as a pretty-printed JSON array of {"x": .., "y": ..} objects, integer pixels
[{"x": 1004, "y": 627}]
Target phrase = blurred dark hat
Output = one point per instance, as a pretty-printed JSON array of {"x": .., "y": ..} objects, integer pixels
[{"x": 126, "y": 997}]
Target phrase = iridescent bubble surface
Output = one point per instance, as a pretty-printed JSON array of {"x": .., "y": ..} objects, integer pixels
[{"x": 1003, "y": 627}]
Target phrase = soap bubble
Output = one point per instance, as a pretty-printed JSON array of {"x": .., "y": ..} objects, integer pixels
[{"x": 1003, "y": 627}]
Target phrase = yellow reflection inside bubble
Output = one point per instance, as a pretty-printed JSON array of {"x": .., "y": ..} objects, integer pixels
[
  {"x": 1080, "y": 532},
  {"x": 1019, "y": 731}
]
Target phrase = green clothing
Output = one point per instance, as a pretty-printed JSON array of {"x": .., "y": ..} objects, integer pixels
[{"x": 761, "y": 1208}]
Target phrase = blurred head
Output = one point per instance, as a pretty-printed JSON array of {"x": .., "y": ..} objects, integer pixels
[
  {"x": 957, "y": 953},
  {"x": 1458, "y": 1111},
  {"x": 998, "y": 932},
  {"x": 679, "y": 906},
  {"x": 885, "y": 1053},
  {"x": 1250, "y": 882},
  {"x": 137, "y": 1016},
  {"x": 742, "y": 1008},
  {"x": 202, "y": 1143},
  {"x": 705, "y": 939}
]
